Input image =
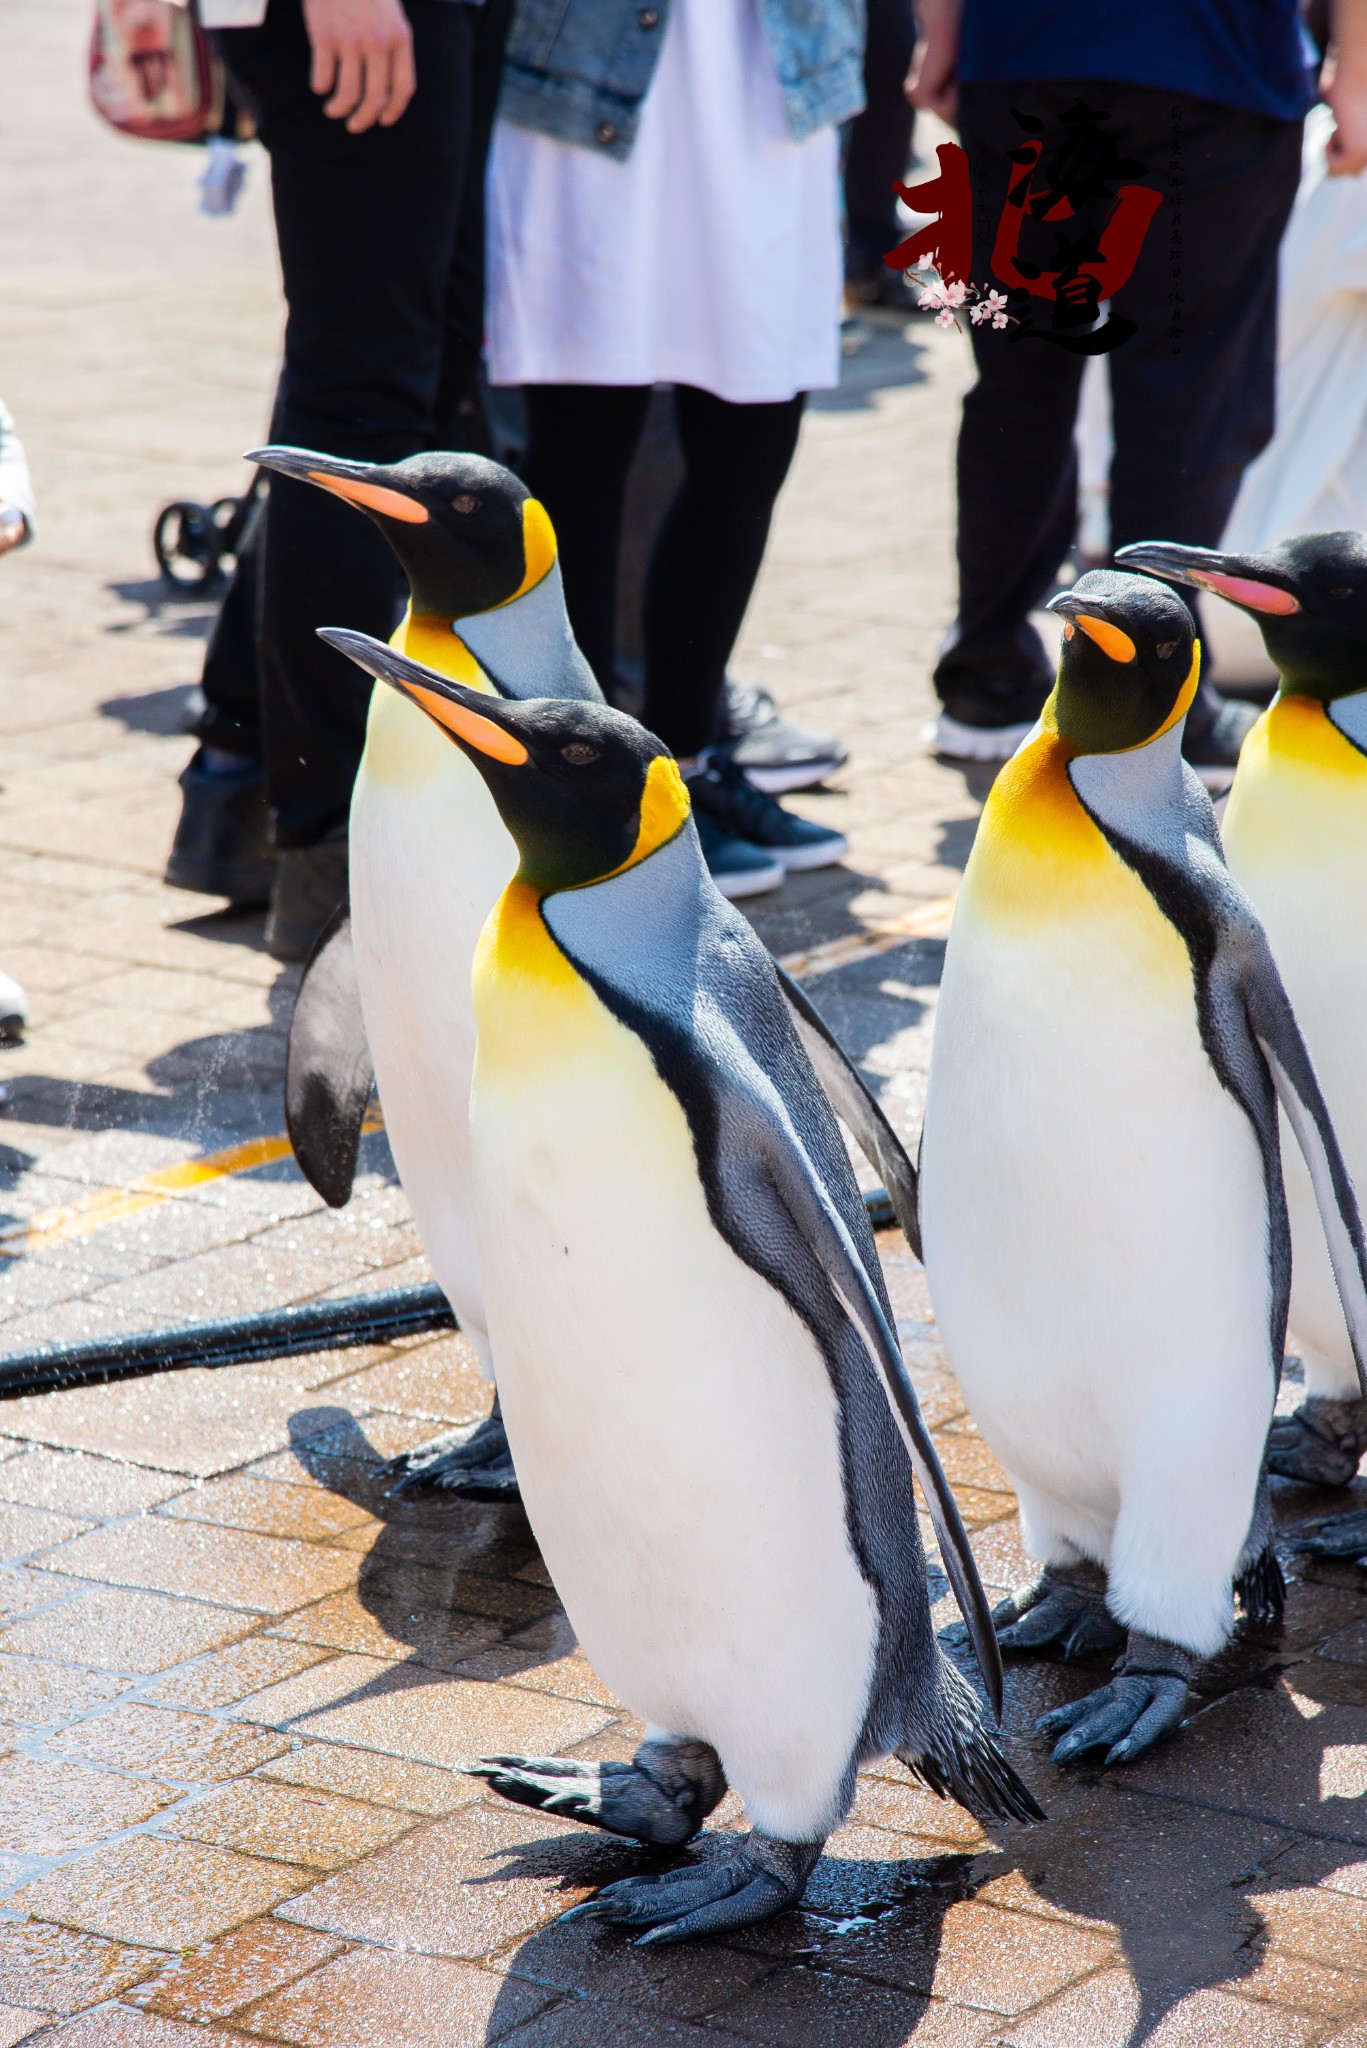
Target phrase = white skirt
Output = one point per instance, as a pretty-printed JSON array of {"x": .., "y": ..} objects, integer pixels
[{"x": 711, "y": 257}]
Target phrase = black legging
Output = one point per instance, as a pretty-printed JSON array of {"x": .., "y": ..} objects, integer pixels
[{"x": 707, "y": 554}]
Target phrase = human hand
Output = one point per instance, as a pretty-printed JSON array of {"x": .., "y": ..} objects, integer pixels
[
  {"x": 933, "y": 80},
  {"x": 363, "y": 57},
  {"x": 1345, "y": 92},
  {"x": 13, "y": 527}
]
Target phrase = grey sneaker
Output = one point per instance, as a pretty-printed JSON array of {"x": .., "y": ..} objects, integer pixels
[
  {"x": 310, "y": 882},
  {"x": 775, "y": 754}
]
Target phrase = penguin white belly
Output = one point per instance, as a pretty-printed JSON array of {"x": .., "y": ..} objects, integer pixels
[
  {"x": 673, "y": 1424},
  {"x": 1096, "y": 1241},
  {"x": 1296, "y": 841},
  {"x": 429, "y": 858}
]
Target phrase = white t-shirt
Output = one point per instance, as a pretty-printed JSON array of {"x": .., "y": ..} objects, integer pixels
[{"x": 711, "y": 257}]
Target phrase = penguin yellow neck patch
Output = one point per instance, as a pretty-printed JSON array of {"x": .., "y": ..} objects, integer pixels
[
  {"x": 538, "y": 548},
  {"x": 434, "y": 642},
  {"x": 664, "y": 807}
]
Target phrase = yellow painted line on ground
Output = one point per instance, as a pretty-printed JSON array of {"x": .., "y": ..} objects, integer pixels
[
  {"x": 111, "y": 1205},
  {"x": 926, "y": 921}
]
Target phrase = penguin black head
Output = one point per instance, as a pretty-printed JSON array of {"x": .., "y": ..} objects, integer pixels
[
  {"x": 468, "y": 534},
  {"x": 1309, "y": 597},
  {"x": 584, "y": 790},
  {"x": 1129, "y": 664}
]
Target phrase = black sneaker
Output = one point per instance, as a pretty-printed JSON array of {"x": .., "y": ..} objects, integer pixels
[
  {"x": 310, "y": 882},
  {"x": 775, "y": 755},
  {"x": 738, "y": 868},
  {"x": 1213, "y": 748},
  {"x": 223, "y": 844},
  {"x": 721, "y": 790}
]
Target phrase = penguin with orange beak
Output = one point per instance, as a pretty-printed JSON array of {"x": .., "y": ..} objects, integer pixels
[{"x": 1295, "y": 837}]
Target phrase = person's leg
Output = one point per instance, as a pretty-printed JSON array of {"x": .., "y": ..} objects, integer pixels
[
  {"x": 366, "y": 226},
  {"x": 580, "y": 441},
  {"x": 459, "y": 421},
  {"x": 878, "y": 148},
  {"x": 1017, "y": 472},
  {"x": 707, "y": 555}
]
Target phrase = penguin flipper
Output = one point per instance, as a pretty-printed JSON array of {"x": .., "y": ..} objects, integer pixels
[
  {"x": 820, "y": 1224},
  {"x": 855, "y": 1105},
  {"x": 328, "y": 1069},
  {"x": 1273, "y": 1023}
]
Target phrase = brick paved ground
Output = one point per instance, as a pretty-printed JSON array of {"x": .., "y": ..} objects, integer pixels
[{"x": 236, "y": 1682}]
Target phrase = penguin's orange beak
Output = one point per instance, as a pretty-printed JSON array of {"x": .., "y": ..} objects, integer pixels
[
  {"x": 359, "y": 483},
  {"x": 1112, "y": 640},
  {"x": 447, "y": 704}
]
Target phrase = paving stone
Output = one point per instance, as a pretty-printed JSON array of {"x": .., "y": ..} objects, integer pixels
[
  {"x": 117, "y": 2027},
  {"x": 614, "y": 2026},
  {"x": 23, "y": 1591},
  {"x": 380, "y": 1780},
  {"x": 807, "y": 2008},
  {"x": 409, "y": 1712},
  {"x": 218, "y": 1977},
  {"x": 287, "y": 1822},
  {"x": 347, "y": 1621},
  {"x": 267, "y": 1508},
  {"x": 60, "y": 1970},
  {"x": 264, "y": 1574},
  {"x": 161, "y": 1893},
  {"x": 47, "y": 1809},
  {"x": 78, "y": 1484},
  {"x": 1289, "y": 1981},
  {"x": 16, "y": 2026},
  {"x": 406, "y": 2001},
  {"x": 467, "y": 1885},
  {"x": 591, "y": 1961},
  {"x": 162, "y": 1742},
  {"x": 229, "y": 1675},
  {"x": 442, "y": 1381},
  {"x": 27, "y": 1532},
  {"x": 193, "y": 1421},
  {"x": 39, "y": 1694},
  {"x": 112, "y": 1627}
]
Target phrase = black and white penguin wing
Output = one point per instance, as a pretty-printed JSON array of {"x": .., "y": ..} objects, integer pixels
[
  {"x": 1273, "y": 1024},
  {"x": 328, "y": 1069},
  {"x": 777, "y": 1178},
  {"x": 857, "y": 1107}
]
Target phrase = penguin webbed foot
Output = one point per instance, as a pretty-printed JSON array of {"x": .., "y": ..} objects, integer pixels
[
  {"x": 1144, "y": 1703},
  {"x": 474, "y": 1463},
  {"x": 1320, "y": 1444},
  {"x": 661, "y": 1798},
  {"x": 1340, "y": 1536},
  {"x": 743, "y": 1882},
  {"x": 1064, "y": 1608}
]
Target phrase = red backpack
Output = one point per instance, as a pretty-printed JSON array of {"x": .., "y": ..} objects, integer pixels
[{"x": 153, "y": 73}]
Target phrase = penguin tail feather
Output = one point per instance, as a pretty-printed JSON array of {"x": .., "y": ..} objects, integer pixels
[
  {"x": 1262, "y": 1588},
  {"x": 964, "y": 1760}
]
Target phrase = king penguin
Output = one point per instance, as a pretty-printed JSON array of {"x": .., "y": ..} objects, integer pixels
[
  {"x": 1295, "y": 837},
  {"x": 386, "y": 992},
  {"x": 1105, "y": 1230},
  {"x": 712, "y": 1423}
]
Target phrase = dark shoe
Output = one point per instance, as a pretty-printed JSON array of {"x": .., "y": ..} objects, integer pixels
[
  {"x": 738, "y": 868},
  {"x": 1212, "y": 745},
  {"x": 13, "y": 1011},
  {"x": 722, "y": 792},
  {"x": 310, "y": 882},
  {"x": 223, "y": 845},
  {"x": 774, "y": 754}
]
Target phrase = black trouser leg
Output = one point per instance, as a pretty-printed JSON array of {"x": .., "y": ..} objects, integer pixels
[
  {"x": 880, "y": 138},
  {"x": 708, "y": 553},
  {"x": 581, "y": 438},
  {"x": 1190, "y": 412},
  {"x": 459, "y": 423},
  {"x": 366, "y": 227},
  {"x": 231, "y": 718}
]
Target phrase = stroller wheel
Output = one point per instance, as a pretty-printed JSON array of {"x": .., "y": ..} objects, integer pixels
[{"x": 187, "y": 542}]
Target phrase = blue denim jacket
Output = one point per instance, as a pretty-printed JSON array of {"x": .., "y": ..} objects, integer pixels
[{"x": 579, "y": 69}]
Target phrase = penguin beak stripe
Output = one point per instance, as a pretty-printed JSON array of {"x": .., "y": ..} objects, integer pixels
[
  {"x": 480, "y": 733},
  {"x": 1108, "y": 638},
  {"x": 373, "y": 497},
  {"x": 1242, "y": 590}
]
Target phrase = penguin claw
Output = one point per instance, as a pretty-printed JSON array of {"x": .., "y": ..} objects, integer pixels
[
  {"x": 1125, "y": 1718},
  {"x": 1049, "y": 1614},
  {"x": 1342, "y": 1536},
  {"x": 618, "y": 1798},
  {"x": 473, "y": 1464},
  {"x": 1320, "y": 1445},
  {"x": 738, "y": 1886}
]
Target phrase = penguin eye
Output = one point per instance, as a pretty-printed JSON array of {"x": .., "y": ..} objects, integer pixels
[
  {"x": 1165, "y": 648},
  {"x": 465, "y": 504},
  {"x": 579, "y": 753},
  {"x": 1345, "y": 592}
]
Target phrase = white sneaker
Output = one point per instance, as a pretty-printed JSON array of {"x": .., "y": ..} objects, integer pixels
[
  {"x": 952, "y": 741},
  {"x": 13, "y": 1011}
]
